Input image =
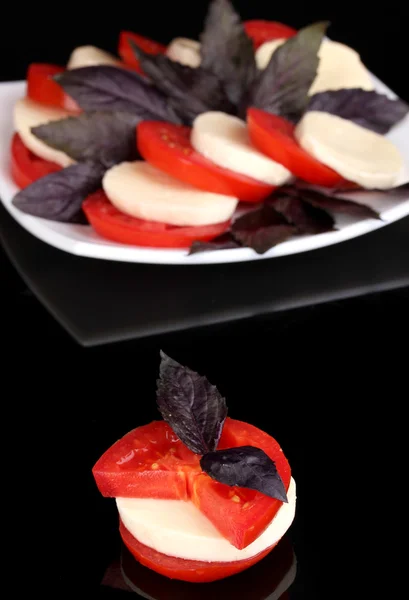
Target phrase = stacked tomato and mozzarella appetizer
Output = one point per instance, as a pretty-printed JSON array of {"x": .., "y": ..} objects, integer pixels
[
  {"x": 200, "y": 496},
  {"x": 192, "y": 178}
]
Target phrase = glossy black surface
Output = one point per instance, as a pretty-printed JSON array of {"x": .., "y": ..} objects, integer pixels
[
  {"x": 329, "y": 381},
  {"x": 156, "y": 299}
]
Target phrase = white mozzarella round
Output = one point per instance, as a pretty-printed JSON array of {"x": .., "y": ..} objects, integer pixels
[
  {"x": 185, "y": 51},
  {"x": 340, "y": 66},
  {"x": 140, "y": 190},
  {"x": 224, "y": 140},
  {"x": 90, "y": 56},
  {"x": 356, "y": 153},
  {"x": 28, "y": 114},
  {"x": 178, "y": 528}
]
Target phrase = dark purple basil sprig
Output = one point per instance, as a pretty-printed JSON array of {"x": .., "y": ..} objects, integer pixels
[
  {"x": 245, "y": 466},
  {"x": 192, "y": 406},
  {"x": 227, "y": 51},
  {"x": 59, "y": 196},
  {"x": 100, "y": 136},
  {"x": 282, "y": 87},
  {"x": 108, "y": 88},
  {"x": 196, "y": 411},
  {"x": 369, "y": 109},
  {"x": 290, "y": 210},
  {"x": 330, "y": 202},
  {"x": 190, "y": 91}
]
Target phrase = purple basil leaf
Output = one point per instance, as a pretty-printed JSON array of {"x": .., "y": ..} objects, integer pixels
[
  {"x": 369, "y": 109},
  {"x": 262, "y": 229},
  {"x": 346, "y": 190},
  {"x": 340, "y": 205},
  {"x": 193, "y": 407},
  {"x": 282, "y": 88},
  {"x": 246, "y": 467},
  {"x": 110, "y": 88},
  {"x": 305, "y": 217},
  {"x": 105, "y": 137},
  {"x": 227, "y": 51},
  {"x": 59, "y": 196},
  {"x": 222, "y": 242},
  {"x": 190, "y": 91}
]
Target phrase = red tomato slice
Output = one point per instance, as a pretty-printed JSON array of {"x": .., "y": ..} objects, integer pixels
[
  {"x": 180, "y": 568},
  {"x": 42, "y": 88},
  {"x": 240, "y": 514},
  {"x": 115, "y": 225},
  {"x": 168, "y": 148},
  {"x": 127, "y": 54},
  {"x": 265, "y": 31},
  {"x": 148, "y": 462},
  {"x": 262, "y": 582},
  {"x": 274, "y": 136},
  {"x": 26, "y": 167}
]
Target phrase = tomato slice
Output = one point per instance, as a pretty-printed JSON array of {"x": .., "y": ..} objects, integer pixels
[
  {"x": 115, "y": 225},
  {"x": 127, "y": 54},
  {"x": 264, "y": 31},
  {"x": 180, "y": 568},
  {"x": 240, "y": 514},
  {"x": 42, "y": 88},
  {"x": 26, "y": 167},
  {"x": 168, "y": 147},
  {"x": 275, "y": 572},
  {"x": 275, "y": 137},
  {"x": 148, "y": 462}
]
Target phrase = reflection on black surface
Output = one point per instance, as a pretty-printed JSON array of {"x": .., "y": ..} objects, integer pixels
[{"x": 268, "y": 580}]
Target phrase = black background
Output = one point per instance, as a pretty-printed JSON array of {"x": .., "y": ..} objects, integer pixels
[{"x": 330, "y": 382}]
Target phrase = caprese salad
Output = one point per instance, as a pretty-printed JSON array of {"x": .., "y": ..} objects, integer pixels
[
  {"x": 165, "y": 145},
  {"x": 200, "y": 496}
]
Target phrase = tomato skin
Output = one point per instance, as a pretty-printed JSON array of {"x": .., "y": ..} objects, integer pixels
[
  {"x": 264, "y": 31},
  {"x": 26, "y": 167},
  {"x": 241, "y": 521},
  {"x": 134, "y": 467},
  {"x": 127, "y": 54},
  {"x": 167, "y": 147},
  {"x": 42, "y": 88},
  {"x": 274, "y": 136},
  {"x": 186, "y": 570},
  {"x": 115, "y": 225}
]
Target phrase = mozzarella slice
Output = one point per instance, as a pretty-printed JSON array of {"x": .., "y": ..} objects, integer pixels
[
  {"x": 340, "y": 66},
  {"x": 90, "y": 56},
  {"x": 178, "y": 528},
  {"x": 185, "y": 51},
  {"x": 356, "y": 153},
  {"x": 224, "y": 140},
  {"x": 140, "y": 190},
  {"x": 28, "y": 114}
]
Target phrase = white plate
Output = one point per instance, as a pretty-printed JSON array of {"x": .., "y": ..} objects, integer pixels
[{"x": 81, "y": 240}]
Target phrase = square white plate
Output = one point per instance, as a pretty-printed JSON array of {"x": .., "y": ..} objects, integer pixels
[{"x": 81, "y": 240}]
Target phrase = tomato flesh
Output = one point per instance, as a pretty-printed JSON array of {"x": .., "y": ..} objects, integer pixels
[
  {"x": 127, "y": 54},
  {"x": 148, "y": 462},
  {"x": 168, "y": 147},
  {"x": 111, "y": 223},
  {"x": 264, "y": 31},
  {"x": 26, "y": 167},
  {"x": 42, "y": 88},
  {"x": 240, "y": 514},
  {"x": 187, "y": 570},
  {"x": 274, "y": 136}
]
